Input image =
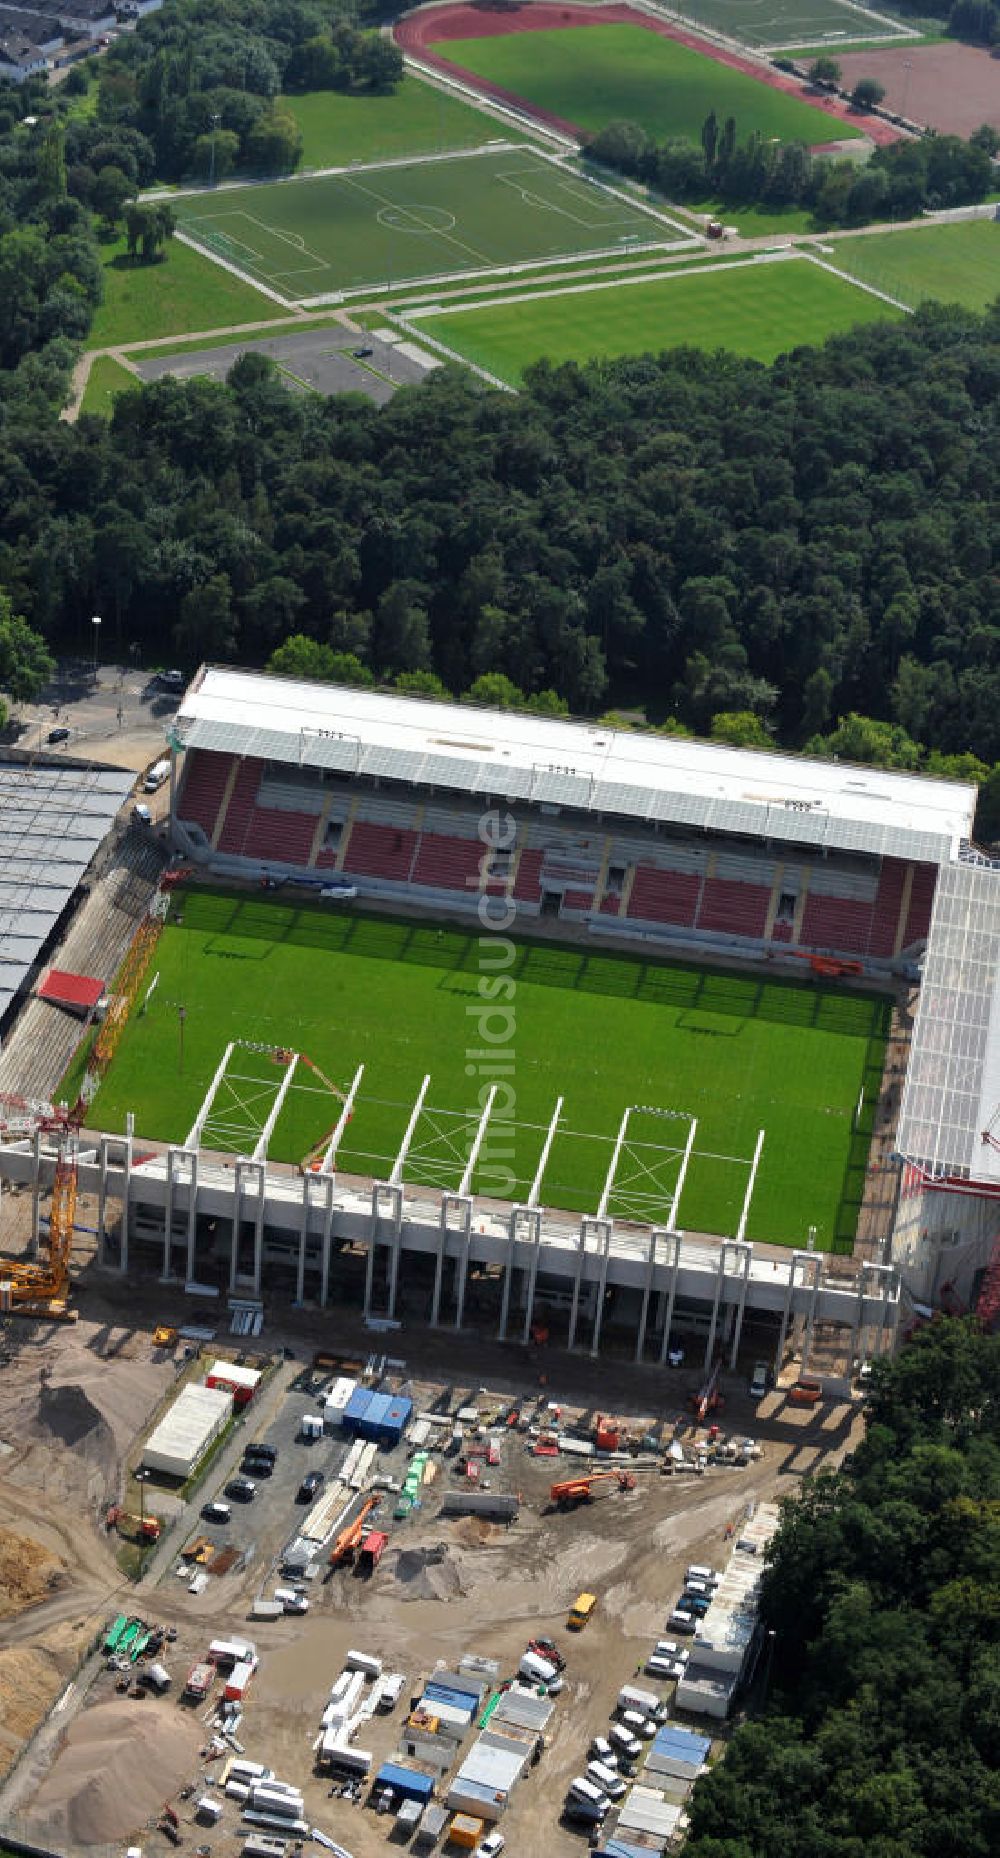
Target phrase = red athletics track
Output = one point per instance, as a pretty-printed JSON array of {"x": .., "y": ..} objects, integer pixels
[{"x": 419, "y": 32}]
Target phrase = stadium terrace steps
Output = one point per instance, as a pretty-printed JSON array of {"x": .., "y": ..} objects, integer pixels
[
  {"x": 527, "y": 884},
  {"x": 205, "y": 778},
  {"x": 448, "y": 864},
  {"x": 239, "y": 813},
  {"x": 378, "y": 851},
  {"x": 664, "y": 896},
  {"x": 731, "y": 907},
  {"x": 836, "y": 923},
  {"x": 889, "y": 899},
  {"x": 278, "y": 834},
  {"x": 918, "y": 919}
]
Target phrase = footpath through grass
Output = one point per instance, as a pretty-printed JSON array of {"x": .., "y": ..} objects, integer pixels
[
  {"x": 418, "y": 119},
  {"x": 181, "y": 295},
  {"x": 605, "y": 1031},
  {"x": 957, "y": 263},
  {"x": 761, "y": 310},
  {"x": 106, "y": 380},
  {"x": 593, "y": 75}
]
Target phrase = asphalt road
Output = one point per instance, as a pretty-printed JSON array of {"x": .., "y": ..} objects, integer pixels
[{"x": 320, "y": 358}]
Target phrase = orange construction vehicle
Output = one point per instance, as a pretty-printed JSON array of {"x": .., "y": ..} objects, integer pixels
[
  {"x": 581, "y": 1489},
  {"x": 142, "y": 1528},
  {"x": 829, "y": 967},
  {"x": 40, "y": 1289},
  {"x": 708, "y": 1398},
  {"x": 349, "y": 1540}
]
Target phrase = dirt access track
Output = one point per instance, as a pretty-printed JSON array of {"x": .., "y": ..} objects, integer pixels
[
  {"x": 419, "y": 33},
  {"x": 952, "y": 88}
]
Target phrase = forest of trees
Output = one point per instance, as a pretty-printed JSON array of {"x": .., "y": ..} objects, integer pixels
[
  {"x": 795, "y": 544},
  {"x": 880, "y": 1737},
  {"x": 898, "y": 182}
]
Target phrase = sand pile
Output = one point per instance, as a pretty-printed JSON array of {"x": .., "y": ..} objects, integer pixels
[
  {"x": 119, "y": 1763},
  {"x": 28, "y": 1573},
  {"x": 426, "y": 1573}
]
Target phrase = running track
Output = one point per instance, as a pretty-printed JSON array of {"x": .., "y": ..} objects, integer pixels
[{"x": 419, "y": 33}]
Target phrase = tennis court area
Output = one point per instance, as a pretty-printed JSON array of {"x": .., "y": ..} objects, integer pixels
[{"x": 395, "y": 223}]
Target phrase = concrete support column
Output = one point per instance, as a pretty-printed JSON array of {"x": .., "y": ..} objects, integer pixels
[
  {"x": 744, "y": 1256},
  {"x": 794, "y": 1265},
  {"x": 305, "y": 1210},
  {"x": 192, "y": 1219},
  {"x": 673, "y": 1263},
  {"x": 248, "y": 1172},
  {"x": 126, "y": 1199},
  {"x": 655, "y": 1232},
  {"x": 395, "y": 1216},
  {"x": 602, "y": 1285},
  {"x": 168, "y": 1214},
  {"x": 370, "y": 1260},
  {"x": 36, "y": 1193},
  {"x": 463, "y": 1267},
  {"x": 529, "y": 1304},
  {"x": 102, "y": 1203},
  {"x": 461, "y": 1204},
  {"x": 814, "y": 1276},
  {"x": 590, "y": 1227},
  {"x": 327, "y": 1240},
  {"x": 720, "y": 1278}
]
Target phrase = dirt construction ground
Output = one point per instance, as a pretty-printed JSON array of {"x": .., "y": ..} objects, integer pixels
[
  {"x": 97, "y": 1773},
  {"x": 951, "y": 88}
]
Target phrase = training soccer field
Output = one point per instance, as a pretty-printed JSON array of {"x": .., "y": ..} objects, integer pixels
[
  {"x": 421, "y": 219},
  {"x": 790, "y": 22},
  {"x": 959, "y": 263},
  {"x": 603, "y": 1031},
  {"x": 593, "y": 75},
  {"x": 758, "y": 309}
]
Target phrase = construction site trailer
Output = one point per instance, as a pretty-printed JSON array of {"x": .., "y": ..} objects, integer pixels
[
  {"x": 242, "y": 1382},
  {"x": 407, "y": 1782},
  {"x": 187, "y": 1430},
  {"x": 233, "y": 1651}
]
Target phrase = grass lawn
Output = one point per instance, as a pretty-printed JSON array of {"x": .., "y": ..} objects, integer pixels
[
  {"x": 737, "y": 1052},
  {"x": 416, "y": 120},
  {"x": 959, "y": 263},
  {"x": 184, "y": 294},
  {"x": 756, "y": 221},
  {"x": 760, "y": 310},
  {"x": 778, "y": 22},
  {"x": 106, "y": 379},
  {"x": 592, "y": 75},
  {"x": 315, "y": 237}
]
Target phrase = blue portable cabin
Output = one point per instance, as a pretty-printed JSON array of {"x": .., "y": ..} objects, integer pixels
[{"x": 409, "y": 1783}]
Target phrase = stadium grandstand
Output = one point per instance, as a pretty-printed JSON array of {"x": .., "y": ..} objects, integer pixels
[{"x": 643, "y": 837}]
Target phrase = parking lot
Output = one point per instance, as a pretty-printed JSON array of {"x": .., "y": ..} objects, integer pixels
[{"x": 327, "y": 360}]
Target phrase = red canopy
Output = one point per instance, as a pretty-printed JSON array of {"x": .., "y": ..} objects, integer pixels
[{"x": 80, "y": 991}]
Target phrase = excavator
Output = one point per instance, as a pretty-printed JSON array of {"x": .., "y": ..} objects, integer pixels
[
  {"x": 582, "y": 1489},
  {"x": 39, "y": 1289},
  {"x": 350, "y": 1537}
]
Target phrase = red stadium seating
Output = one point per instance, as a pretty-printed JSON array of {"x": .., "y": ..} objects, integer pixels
[
  {"x": 782, "y": 932},
  {"x": 918, "y": 919},
  {"x": 664, "y": 896},
  {"x": 733, "y": 908},
  {"x": 888, "y": 901},
  {"x": 448, "y": 864},
  {"x": 379, "y": 851},
  {"x": 527, "y": 888},
  {"x": 836, "y": 923},
  {"x": 205, "y": 777},
  {"x": 277, "y": 833},
  {"x": 240, "y": 811},
  {"x": 578, "y": 899}
]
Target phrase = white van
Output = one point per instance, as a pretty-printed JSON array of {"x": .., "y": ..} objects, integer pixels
[
  {"x": 582, "y": 1789},
  {"x": 638, "y": 1724},
  {"x": 698, "y": 1573},
  {"x": 601, "y": 1750},
  {"x": 630, "y": 1697},
  {"x": 537, "y": 1670},
  {"x": 624, "y": 1742},
  {"x": 291, "y": 1601},
  {"x": 156, "y": 776},
  {"x": 606, "y": 1779}
]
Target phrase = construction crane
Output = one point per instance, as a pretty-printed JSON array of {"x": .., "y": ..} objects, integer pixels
[
  {"x": 349, "y": 1539},
  {"x": 312, "y": 1161},
  {"x": 708, "y": 1398},
  {"x": 581, "y": 1489},
  {"x": 39, "y": 1289}
]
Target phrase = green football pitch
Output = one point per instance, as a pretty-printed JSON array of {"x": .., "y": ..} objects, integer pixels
[
  {"x": 603, "y": 1031},
  {"x": 421, "y": 219},
  {"x": 593, "y": 75},
  {"x": 959, "y": 263},
  {"x": 789, "y": 22},
  {"x": 759, "y": 309}
]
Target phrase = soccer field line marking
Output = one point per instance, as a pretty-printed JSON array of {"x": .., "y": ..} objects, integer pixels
[
  {"x": 448, "y": 238},
  {"x": 616, "y": 283},
  {"x": 512, "y": 179},
  {"x": 294, "y": 239}
]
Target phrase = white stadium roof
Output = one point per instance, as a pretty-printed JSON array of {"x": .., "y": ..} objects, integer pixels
[
  {"x": 578, "y": 765},
  {"x": 52, "y": 821},
  {"x": 952, "y": 1090}
]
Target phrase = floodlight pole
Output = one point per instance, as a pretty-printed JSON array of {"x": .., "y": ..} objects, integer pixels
[
  {"x": 342, "y": 1121},
  {"x": 260, "y": 1147},
  {"x": 400, "y": 1161},
  {"x": 609, "y": 1179},
  {"x": 543, "y": 1159},
  {"x": 478, "y": 1143},
  {"x": 748, "y": 1196},
  {"x": 194, "y": 1137},
  {"x": 688, "y": 1148}
]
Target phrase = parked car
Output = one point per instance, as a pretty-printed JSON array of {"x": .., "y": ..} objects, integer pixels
[
  {"x": 58, "y": 735},
  {"x": 637, "y": 1724},
  {"x": 491, "y": 1846},
  {"x": 362, "y": 354},
  {"x": 806, "y": 1392},
  {"x": 338, "y": 893},
  {"x": 215, "y": 1512},
  {"x": 242, "y": 1488},
  {"x": 601, "y": 1750},
  {"x": 547, "y": 1648},
  {"x": 309, "y": 1486},
  {"x": 259, "y": 1450},
  {"x": 759, "y": 1380},
  {"x": 681, "y": 1620},
  {"x": 257, "y": 1467}
]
